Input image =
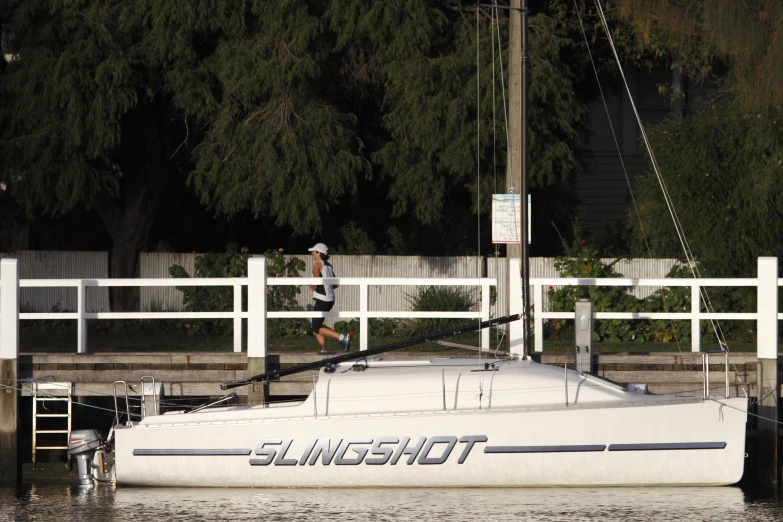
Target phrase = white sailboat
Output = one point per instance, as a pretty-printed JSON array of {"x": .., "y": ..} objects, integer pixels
[
  {"x": 501, "y": 422},
  {"x": 444, "y": 422}
]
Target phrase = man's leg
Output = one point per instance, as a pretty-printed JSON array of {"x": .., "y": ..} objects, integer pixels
[
  {"x": 321, "y": 340},
  {"x": 325, "y": 331}
]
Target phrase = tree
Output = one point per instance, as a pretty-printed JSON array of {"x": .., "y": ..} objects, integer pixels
[
  {"x": 724, "y": 172},
  {"x": 285, "y": 109},
  {"x": 86, "y": 122},
  {"x": 739, "y": 43},
  {"x": 721, "y": 163}
]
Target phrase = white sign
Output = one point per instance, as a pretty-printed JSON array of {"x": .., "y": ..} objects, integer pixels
[{"x": 506, "y": 212}]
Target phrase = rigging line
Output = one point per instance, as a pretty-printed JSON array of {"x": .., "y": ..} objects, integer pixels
[
  {"x": 47, "y": 396},
  {"x": 492, "y": 28},
  {"x": 494, "y": 130},
  {"x": 667, "y": 198},
  {"x": 88, "y": 392},
  {"x": 619, "y": 154},
  {"x": 503, "y": 85},
  {"x": 478, "y": 165},
  {"x": 744, "y": 411},
  {"x": 703, "y": 294}
]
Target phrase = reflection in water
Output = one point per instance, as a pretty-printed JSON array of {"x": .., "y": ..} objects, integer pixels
[{"x": 59, "y": 502}]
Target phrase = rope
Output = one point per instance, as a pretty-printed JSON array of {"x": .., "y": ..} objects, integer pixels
[
  {"x": 667, "y": 198},
  {"x": 478, "y": 165},
  {"x": 620, "y": 156},
  {"x": 48, "y": 396},
  {"x": 746, "y": 412}
]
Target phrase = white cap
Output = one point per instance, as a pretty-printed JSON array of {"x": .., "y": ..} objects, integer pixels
[{"x": 319, "y": 247}]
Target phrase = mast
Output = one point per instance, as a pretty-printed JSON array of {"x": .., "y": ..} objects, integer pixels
[
  {"x": 517, "y": 170},
  {"x": 525, "y": 253}
]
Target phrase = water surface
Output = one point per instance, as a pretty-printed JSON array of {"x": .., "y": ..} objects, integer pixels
[{"x": 60, "y": 502}]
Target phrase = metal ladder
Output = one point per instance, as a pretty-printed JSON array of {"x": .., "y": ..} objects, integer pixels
[{"x": 52, "y": 392}]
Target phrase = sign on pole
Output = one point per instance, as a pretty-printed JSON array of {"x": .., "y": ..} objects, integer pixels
[{"x": 506, "y": 212}]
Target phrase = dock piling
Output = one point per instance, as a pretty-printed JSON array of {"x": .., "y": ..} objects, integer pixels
[
  {"x": 256, "y": 327},
  {"x": 768, "y": 388},
  {"x": 10, "y": 468}
]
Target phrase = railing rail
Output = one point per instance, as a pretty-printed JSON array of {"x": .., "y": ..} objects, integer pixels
[
  {"x": 257, "y": 310},
  {"x": 767, "y": 313}
]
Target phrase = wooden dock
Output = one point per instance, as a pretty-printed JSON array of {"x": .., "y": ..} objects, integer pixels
[{"x": 200, "y": 374}]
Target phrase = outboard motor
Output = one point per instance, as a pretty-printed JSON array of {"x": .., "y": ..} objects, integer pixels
[{"x": 82, "y": 444}]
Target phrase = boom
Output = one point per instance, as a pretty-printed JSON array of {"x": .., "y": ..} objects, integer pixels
[{"x": 266, "y": 377}]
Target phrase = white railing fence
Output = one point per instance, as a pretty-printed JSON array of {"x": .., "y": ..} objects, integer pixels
[
  {"x": 256, "y": 314},
  {"x": 766, "y": 315}
]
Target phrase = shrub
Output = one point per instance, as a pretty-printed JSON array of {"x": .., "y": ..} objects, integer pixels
[
  {"x": 617, "y": 299},
  {"x": 219, "y": 299},
  {"x": 435, "y": 299}
]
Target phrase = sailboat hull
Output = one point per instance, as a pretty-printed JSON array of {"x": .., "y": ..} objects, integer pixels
[{"x": 673, "y": 442}]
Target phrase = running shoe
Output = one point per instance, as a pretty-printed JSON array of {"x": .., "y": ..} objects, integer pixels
[{"x": 346, "y": 340}]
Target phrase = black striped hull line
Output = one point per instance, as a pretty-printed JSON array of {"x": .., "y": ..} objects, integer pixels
[
  {"x": 660, "y": 446},
  {"x": 190, "y": 452},
  {"x": 586, "y": 448}
]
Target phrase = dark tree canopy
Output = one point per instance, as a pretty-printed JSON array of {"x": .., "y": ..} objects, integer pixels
[
  {"x": 724, "y": 172},
  {"x": 744, "y": 38},
  {"x": 300, "y": 113}
]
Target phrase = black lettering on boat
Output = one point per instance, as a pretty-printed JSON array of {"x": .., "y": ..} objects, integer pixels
[
  {"x": 425, "y": 458},
  {"x": 281, "y": 460},
  {"x": 360, "y": 452},
  {"x": 377, "y": 449},
  {"x": 405, "y": 450},
  {"x": 373, "y": 452},
  {"x": 307, "y": 452},
  {"x": 470, "y": 440},
  {"x": 268, "y": 454},
  {"x": 323, "y": 448}
]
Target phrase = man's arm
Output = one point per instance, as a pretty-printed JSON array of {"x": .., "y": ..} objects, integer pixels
[{"x": 316, "y": 273}]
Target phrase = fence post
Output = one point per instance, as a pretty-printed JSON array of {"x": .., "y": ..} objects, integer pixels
[
  {"x": 485, "y": 313},
  {"x": 10, "y": 465},
  {"x": 81, "y": 322},
  {"x": 538, "y": 319},
  {"x": 256, "y": 326},
  {"x": 767, "y": 353},
  {"x": 364, "y": 307},
  {"x": 515, "y": 337},
  {"x": 695, "y": 322},
  {"x": 237, "y": 320}
]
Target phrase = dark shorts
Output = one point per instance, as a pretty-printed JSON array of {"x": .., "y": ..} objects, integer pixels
[{"x": 320, "y": 306}]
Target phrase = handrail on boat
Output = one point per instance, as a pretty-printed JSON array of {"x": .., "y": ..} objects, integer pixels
[
  {"x": 705, "y": 364},
  {"x": 154, "y": 394},
  {"x": 127, "y": 403},
  {"x": 216, "y": 401}
]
